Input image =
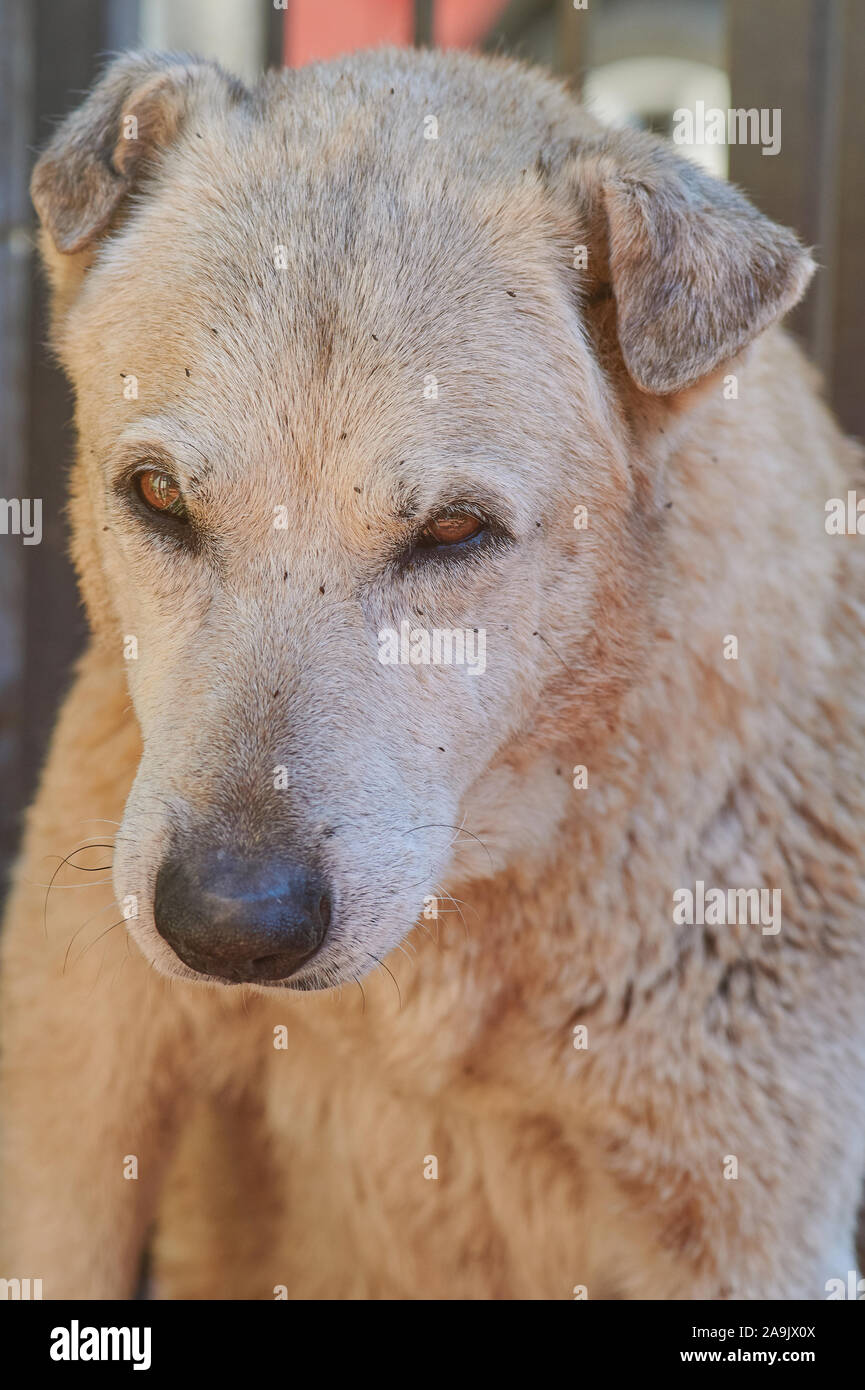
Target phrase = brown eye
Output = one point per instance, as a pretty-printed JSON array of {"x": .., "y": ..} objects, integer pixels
[
  {"x": 161, "y": 493},
  {"x": 450, "y": 530}
]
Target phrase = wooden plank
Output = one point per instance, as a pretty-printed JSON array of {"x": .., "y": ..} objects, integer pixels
[
  {"x": 275, "y": 36},
  {"x": 16, "y": 78},
  {"x": 506, "y": 33},
  {"x": 780, "y": 54},
  {"x": 572, "y": 42},
  {"x": 424, "y": 23},
  {"x": 69, "y": 47},
  {"x": 845, "y": 347}
]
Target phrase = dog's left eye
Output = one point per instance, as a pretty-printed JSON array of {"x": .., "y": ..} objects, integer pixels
[
  {"x": 161, "y": 493},
  {"x": 451, "y": 529}
]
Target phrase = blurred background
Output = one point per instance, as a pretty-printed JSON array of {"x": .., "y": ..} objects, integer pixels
[{"x": 634, "y": 61}]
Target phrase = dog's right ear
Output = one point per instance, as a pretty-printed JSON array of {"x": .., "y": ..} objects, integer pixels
[{"x": 102, "y": 151}]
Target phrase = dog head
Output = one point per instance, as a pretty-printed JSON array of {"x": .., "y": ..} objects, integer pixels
[{"x": 371, "y": 365}]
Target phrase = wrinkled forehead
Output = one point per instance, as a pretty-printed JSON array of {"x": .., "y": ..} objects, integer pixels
[{"x": 413, "y": 317}]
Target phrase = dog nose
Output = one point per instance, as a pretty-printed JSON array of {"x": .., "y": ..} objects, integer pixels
[{"x": 240, "y": 921}]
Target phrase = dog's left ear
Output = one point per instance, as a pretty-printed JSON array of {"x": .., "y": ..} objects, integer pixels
[{"x": 695, "y": 271}]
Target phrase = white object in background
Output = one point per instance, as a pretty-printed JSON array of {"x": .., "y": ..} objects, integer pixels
[
  {"x": 636, "y": 90},
  {"x": 231, "y": 31}
]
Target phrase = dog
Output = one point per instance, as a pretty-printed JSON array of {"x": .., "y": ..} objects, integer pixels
[{"x": 471, "y": 664}]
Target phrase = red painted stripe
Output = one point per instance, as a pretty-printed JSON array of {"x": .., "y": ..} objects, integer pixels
[{"x": 318, "y": 29}]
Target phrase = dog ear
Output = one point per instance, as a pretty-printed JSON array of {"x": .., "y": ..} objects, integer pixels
[
  {"x": 695, "y": 271},
  {"x": 99, "y": 154}
]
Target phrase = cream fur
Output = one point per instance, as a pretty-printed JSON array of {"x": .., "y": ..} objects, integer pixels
[{"x": 557, "y": 1167}]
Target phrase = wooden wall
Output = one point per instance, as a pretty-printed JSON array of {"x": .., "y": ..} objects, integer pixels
[{"x": 49, "y": 54}]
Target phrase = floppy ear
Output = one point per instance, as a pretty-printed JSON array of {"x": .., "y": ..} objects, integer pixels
[
  {"x": 101, "y": 151},
  {"x": 695, "y": 271}
]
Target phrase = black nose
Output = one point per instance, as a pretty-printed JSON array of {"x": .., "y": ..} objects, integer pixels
[{"x": 239, "y": 920}]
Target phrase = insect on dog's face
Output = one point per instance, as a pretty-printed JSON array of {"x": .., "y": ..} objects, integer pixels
[{"x": 331, "y": 508}]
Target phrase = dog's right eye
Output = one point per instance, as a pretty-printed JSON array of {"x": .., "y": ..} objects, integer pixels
[{"x": 161, "y": 493}]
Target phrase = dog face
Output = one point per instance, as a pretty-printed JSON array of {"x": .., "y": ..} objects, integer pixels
[{"x": 346, "y": 380}]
